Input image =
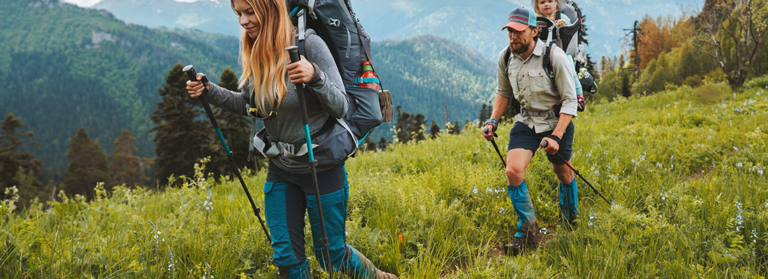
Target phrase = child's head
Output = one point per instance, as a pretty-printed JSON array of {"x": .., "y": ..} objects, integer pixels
[{"x": 546, "y": 8}]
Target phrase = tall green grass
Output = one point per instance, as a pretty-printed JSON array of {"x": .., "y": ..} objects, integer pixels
[{"x": 685, "y": 170}]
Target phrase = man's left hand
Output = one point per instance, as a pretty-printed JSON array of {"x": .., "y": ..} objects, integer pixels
[{"x": 552, "y": 146}]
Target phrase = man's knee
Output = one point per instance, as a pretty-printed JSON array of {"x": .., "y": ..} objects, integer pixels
[{"x": 515, "y": 175}]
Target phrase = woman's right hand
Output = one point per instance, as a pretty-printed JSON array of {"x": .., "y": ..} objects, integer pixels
[{"x": 195, "y": 88}]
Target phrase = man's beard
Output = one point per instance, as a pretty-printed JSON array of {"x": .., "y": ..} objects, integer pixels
[{"x": 522, "y": 49}]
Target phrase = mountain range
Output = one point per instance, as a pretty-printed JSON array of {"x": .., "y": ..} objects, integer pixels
[
  {"x": 64, "y": 66},
  {"x": 475, "y": 24}
]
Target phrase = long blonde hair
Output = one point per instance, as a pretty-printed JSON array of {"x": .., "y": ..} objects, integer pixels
[{"x": 264, "y": 57}]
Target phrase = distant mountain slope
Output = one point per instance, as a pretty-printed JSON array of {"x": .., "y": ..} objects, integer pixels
[
  {"x": 62, "y": 67},
  {"x": 475, "y": 24},
  {"x": 65, "y": 67},
  {"x": 434, "y": 76}
]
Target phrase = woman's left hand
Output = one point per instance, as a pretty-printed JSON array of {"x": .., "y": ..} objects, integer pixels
[{"x": 301, "y": 72}]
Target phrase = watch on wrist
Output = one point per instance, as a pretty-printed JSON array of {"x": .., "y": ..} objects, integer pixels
[{"x": 494, "y": 122}]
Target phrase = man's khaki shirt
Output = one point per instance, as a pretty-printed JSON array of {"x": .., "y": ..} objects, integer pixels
[{"x": 526, "y": 80}]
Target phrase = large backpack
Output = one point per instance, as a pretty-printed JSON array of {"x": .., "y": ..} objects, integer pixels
[
  {"x": 338, "y": 26},
  {"x": 567, "y": 39}
]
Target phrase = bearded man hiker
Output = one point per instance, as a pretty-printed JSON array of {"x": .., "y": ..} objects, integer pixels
[{"x": 547, "y": 106}]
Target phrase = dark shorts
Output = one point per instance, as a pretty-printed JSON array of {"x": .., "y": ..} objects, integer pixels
[{"x": 523, "y": 137}]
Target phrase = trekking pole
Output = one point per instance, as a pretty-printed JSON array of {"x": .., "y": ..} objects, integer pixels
[
  {"x": 294, "y": 53},
  {"x": 493, "y": 141},
  {"x": 545, "y": 143},
  {"x": 190, "y": 70}
]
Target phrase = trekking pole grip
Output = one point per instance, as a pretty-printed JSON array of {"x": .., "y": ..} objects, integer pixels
[
  {"x": 485, "y": 130},
  {"x": 293, "y": 51}
]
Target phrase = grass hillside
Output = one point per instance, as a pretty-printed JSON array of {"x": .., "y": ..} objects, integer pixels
[{"x": 685, "y": 170}]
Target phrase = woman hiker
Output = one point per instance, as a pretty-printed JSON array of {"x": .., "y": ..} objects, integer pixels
[{"x": 268, "y": 93}]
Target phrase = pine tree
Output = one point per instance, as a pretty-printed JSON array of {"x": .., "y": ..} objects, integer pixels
[
  {"x": 404, "y": 126},
  {"x": 455, "y": 129},
  {"x": 434, "y": 130},
  {"x": 123, "y": 165},
  {"x": 18, "y": 168},
  {"x": 87, "y": 165},
  {"x": 484, "y": 113},
  {"x": 383, "y": 144},
  {"x": 368, "y": 145},
  {"x": 419, "y": 125},
  {"x": 182, "y": 137}
]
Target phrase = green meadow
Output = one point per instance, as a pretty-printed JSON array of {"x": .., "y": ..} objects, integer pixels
[{"x": 684, "y": 169}]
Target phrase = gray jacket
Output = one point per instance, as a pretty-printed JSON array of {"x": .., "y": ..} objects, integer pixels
[{"x": 330, "y": 100}]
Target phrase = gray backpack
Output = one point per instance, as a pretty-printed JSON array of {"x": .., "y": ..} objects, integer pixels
[{"x": 338, "y": 26}]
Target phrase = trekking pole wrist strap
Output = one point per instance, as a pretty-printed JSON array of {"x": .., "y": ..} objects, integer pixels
[
  {"x": 555, "y": 138},
  {"x": 494, "y": 122}
]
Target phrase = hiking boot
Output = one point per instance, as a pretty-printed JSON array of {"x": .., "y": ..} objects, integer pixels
[
  {"x": 582, "y": 105},
  {"x": 571, "y": 223},
  {"x": 520, "y": 245}
]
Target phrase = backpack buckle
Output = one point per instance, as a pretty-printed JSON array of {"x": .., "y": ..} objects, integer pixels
[{"x": 334, "y": 22}]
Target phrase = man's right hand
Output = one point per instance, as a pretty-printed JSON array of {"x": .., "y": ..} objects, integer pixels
[{"x": 488, "y": 132}]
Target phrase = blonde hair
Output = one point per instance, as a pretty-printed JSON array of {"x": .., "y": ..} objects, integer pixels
[
  {"x": 264, "y": 57},
  {"x": 538, "y": 13}
]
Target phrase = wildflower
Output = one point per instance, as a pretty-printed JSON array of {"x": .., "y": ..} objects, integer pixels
[
  {"x": 501, "y": 211},
  {"x": 659, "y": 165},
  {"x": 709, "y": 137},
  {"x": 760, "y": 171},
  {"x": 669, "y": 114},
  {"x": 474, "y": 190},
  {"x": 730, "y": 122},
  {"x": 592, "y": 216},
  {"x": 710, "y": 130},
  {"x": 734, "y": 148},
  {"x": 543, "y": 231},
  {"x": 171, "y": 264},
  {"x": 739, "y": 164},
  {"x": 673, "y": 166},
  {"x": 672, "y": 158},
  {"x": 754, "y": 235}
]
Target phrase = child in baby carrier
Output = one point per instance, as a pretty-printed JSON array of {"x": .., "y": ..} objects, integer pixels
[{"x": 549, "y": 9}]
